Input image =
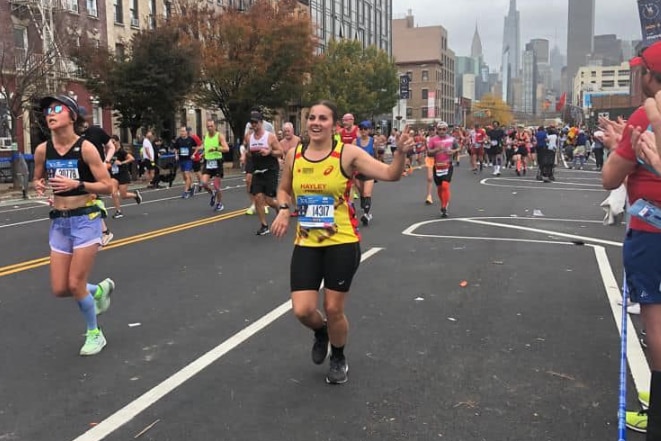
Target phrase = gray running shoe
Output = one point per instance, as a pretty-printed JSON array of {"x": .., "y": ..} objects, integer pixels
[
  {"x": 321, "y": 346},
  {"x": 337, "y": 374}
]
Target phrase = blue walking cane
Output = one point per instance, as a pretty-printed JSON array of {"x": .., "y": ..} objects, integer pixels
[{"x": 622, "y": 405}]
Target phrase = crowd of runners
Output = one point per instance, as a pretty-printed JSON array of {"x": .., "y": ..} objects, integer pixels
[{"x": 310, "y": 180}]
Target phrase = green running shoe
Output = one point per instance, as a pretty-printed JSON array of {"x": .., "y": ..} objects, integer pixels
[
  {"x": 95, "y": 341},
  {"x": 637, "y": 421},
  {"x": 102, "y": 295},
  {"x": 644, "y": 398}
]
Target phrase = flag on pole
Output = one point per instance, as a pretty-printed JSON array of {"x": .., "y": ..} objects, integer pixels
[
  {"x": 650, "y": 20},
  {"x": 561, "y": 102}
]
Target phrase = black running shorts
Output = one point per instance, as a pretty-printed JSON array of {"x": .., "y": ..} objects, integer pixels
[
  {"x": 265, "y": 183},
  {"x": 335, "y": 265}
]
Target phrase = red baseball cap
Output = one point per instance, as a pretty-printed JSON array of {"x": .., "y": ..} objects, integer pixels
[{"x": 650, "y": 58}]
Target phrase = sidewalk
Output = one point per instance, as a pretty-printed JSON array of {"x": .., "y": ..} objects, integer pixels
[{"x": 8, "y": 194}]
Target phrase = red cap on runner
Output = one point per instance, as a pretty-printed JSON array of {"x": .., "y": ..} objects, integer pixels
[{"x": 650, "y": 58}]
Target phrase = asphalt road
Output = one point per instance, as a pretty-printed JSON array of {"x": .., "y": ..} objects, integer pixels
[{"x": 202, "y": 344}]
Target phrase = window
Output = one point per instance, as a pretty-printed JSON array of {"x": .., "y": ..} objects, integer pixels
[
  {"x": 608, "y": 83},
  {"x": 410, "y": 75},
  {"x": 623, "y": 83},
  {"x": 70, "y": 5},
  {"x": 409, "y": 112},
  {"x": 624, "y": 73},
  {"x": 97, "y": 113},
  {"x": 593, "y": 74},
  {"x": 135, "y": 20},
  {"x": 119, "y": 13},
  {"x": 91, "y": 8},
  {"x": 167, "y": 8},
  {"x": 21, "y": 45},
  {"x": 608, "y": 73},
  {"x": 425, "y": 94},
  {"x": 425, "y": 112},
  {"x": 120, "y": 51},
  {"x": 152, "y": 14},
  {"x": 425, "y": 75}
]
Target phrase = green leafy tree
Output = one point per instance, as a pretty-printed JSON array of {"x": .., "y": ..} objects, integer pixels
[
  {"x": 359, "y": 80},
  {"x": 147, "y": 86},
  {"x": 253, "y": 58}
]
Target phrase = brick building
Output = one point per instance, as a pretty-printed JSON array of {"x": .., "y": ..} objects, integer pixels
[{"x": 423, "y": 53}]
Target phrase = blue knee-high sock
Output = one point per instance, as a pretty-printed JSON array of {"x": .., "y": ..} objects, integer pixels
[
  {"x": 86, "y": 305},
  {"x": 92, "y": 289}
]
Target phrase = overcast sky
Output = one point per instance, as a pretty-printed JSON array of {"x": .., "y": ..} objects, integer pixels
[{"x": 539, "y": 19}]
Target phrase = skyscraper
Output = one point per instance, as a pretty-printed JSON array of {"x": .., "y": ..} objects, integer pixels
[
  {"x": 512, "y": 39},
  {"x": 511, "y": 52},
  {"x": 557, "y": 63},
  {"x": 529, "y": 78},
  {"x": 476, "y": 47},
  {"x": 580, "y": 37},
  {"x": 541, "y": 48}
]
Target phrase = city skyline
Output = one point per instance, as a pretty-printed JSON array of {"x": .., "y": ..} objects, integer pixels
[{"x": 460, "y": 20}]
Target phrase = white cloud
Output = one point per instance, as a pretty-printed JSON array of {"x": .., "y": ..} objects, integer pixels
[{"x": 539, "y": 19}]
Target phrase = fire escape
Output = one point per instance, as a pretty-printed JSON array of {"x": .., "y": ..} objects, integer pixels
[{"x": 52, "y": 61}]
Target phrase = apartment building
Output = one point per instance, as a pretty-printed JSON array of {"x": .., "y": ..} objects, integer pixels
[
  {"x": 28, "y": 31},
  {"x": 422, "y": 52},
  {"x": 368, "y": 21},
  {"x": 600, "y": 80}
]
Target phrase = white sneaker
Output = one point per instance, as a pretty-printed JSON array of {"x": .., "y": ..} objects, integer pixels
[
  {"x": 634, "y": 308},
  {"x": 106, "y": 238}
]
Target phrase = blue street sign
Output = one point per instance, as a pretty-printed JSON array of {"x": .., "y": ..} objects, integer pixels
[{"x": 404, "y": 87}]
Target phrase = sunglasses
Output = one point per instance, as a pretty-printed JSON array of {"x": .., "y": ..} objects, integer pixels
[{"x": 56, "y": 109}]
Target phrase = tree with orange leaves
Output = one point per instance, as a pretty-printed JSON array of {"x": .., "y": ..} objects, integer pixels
[{"x": 257, "y": 57}]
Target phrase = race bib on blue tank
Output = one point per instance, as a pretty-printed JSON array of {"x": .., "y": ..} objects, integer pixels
[
  {"x": 183, "y": 151},
  {"x": 62, "y": 167},
  {"x": 316, "y": 211}
]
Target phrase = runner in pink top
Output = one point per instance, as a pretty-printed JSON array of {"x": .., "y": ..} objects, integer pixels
[{"x": 441, "y": 147}]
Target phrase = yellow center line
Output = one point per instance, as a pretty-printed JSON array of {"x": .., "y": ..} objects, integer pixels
[{"x": 43, "y": 261}]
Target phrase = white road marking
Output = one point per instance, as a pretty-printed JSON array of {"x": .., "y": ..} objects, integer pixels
[
  {"x": 493, "y": 239},
  {"x": 638, "y": 366},
  {"x": 137, "y": 406},
  {"x": 640, "y": 370},
  {"x": 109, "y": 206},
  {"x": 540, "y": 185},
  {"x": 547, "y": 232},
  {"x": 43, "y": 202},
  {"x": 598, "y": 184},
  {"x": 409, "y": 230}
]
